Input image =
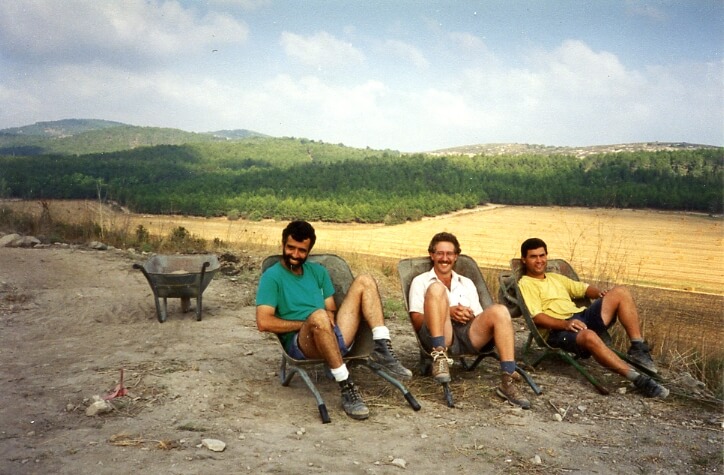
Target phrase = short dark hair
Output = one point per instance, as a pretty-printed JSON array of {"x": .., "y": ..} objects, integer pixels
[
  {"x": 444, "y": 237},
  {"x": 530, "y": 244},
  {"x": 299, "y": 231}
]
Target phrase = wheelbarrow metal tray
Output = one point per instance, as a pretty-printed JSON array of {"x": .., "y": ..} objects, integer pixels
[{"x": 179, "y": 276}]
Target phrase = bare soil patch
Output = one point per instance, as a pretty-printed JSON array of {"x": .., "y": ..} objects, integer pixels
[{"x": 72, "y": 317}]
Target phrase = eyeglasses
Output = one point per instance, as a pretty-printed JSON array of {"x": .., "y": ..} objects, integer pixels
[{"x": 444, "y": 254}]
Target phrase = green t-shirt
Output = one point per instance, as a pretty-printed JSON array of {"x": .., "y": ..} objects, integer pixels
[{"x": 294, "y": 297}]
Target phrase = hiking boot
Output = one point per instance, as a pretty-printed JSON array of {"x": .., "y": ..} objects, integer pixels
[
  {"x": 383, "y": 357},
  {"x": 441, "y": 365},
  {"x": 639, "y": 354},
  {"x": 650, "y": 388},
  {"x": 508, "y": 391},
  {"x": 352, "y": 402}
]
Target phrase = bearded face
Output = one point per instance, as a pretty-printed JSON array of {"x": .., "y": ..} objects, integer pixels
[{"x": 294, "y": 254}]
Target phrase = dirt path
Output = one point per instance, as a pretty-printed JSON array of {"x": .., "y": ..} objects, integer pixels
[{"x": 70, "y": 318}]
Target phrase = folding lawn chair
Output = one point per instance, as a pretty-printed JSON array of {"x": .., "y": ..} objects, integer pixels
[
  {"x": 342, "y": 278},
  {"x": 510, "y": 296},
  {"x": 408, "y": 269}
]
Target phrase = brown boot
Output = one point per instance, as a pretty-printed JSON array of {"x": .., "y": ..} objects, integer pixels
[
  {"x": 441, "y": 365},
  {"x": 508, "y": 391}
]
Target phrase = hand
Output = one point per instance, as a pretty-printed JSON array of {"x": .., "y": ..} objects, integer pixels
[
  {"x": 575, "y": 326},
  {"x": 460, "y": 314}
]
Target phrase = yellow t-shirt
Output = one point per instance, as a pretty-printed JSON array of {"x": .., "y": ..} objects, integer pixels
[{"x": 552, "y": 295}]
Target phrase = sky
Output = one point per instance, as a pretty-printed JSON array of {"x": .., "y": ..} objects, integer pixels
[{"x": 404, "y": 75}]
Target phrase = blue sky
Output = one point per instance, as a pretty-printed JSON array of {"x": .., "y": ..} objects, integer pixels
[{"x": 404, "y": 75}]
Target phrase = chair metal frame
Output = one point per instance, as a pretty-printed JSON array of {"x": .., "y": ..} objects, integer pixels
[
  {"x": 342, "y": 277},
  {"x": 407, "y": 270}
]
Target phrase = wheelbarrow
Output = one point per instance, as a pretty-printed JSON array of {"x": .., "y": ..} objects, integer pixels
[{"x": 179, "y": 276}]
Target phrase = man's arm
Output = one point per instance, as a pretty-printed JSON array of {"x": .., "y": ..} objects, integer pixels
[
  {"x": 267, "y": 321},
  {"x": 546, "y": 321},
  {"x": 331, "y": 309},
  {"x": 594, "y": 293}
]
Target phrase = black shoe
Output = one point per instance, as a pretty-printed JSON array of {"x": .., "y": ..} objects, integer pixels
[
  {"x": 352, "y": 402},
  {"x": 650, "y": 388},
  {"x": 639, "y": 354},
  {"x": 383, "y": 357}
]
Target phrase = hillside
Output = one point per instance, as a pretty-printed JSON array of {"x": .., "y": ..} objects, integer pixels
[
  {"x": 579, "y": 152},
  {"x": 83, "y": 136}
]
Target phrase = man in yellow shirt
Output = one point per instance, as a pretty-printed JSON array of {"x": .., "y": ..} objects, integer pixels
[{"x": 549, "y": 298}]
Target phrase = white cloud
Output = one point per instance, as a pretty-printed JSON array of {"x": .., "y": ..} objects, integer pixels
[
  {"x": 407, "y": 52},
  {"x": 116, "y": 32},
  {"x": 320, "y": 49}
]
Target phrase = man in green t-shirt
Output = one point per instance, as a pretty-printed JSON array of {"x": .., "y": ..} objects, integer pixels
[
  {"x": 548, "y": 297},
  {"x": 295, "y": 300}
]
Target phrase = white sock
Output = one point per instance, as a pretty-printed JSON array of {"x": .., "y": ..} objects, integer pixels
[
  {"x": 381, "y": 333},
  {"x": 341, "y": 373},
  {"x": 632, "y": 375}
]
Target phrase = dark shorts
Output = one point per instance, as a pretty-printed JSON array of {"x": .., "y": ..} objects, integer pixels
[
  {"x": 295, "y": 352},
  {"x": 461, "y": 344},
  {"x": 567, "y": 340}
]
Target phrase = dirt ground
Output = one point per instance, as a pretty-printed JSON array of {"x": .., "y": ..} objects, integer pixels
[{"x": 72, "y": 317}]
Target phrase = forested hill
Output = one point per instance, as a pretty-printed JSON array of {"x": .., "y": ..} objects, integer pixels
[
  {"x": 83, "y": 136},
  {"x": 284, "y": 178}
]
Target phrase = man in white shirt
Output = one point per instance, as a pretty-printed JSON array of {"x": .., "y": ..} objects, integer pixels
[{"x": 448, "y": 317}]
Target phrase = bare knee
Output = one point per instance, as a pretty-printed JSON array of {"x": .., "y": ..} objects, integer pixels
[
  {"x": 366, "y": 281},
  {"x": 436, "y": 291},
  {"x": 589, "y": 340},
  {"x": 620, "y": 293},
  {"x": 319, "y": 321},
  {"x": 499, "y": 313}
]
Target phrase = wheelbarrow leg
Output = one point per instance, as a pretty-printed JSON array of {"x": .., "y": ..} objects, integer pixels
[
  {"x": 163, "y": 311},
  {"x": 198, "y": 308},
  {"x": 200, "y": 290}
]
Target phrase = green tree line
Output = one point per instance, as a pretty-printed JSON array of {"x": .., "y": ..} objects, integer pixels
[{"x": 298, "y": 178}]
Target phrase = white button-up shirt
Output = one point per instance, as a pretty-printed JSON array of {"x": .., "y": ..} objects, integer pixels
[{"x": 462, "y": 291}]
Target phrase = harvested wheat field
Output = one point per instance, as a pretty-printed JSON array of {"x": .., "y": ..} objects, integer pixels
[
  {"x": 663, "y": 249},
  {"x": 674, "y": 250}
]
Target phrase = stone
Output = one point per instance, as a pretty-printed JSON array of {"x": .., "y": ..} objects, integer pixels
[
  {"x": 98, "y": 407},
  {"x": 9, "y": 239},
  {"x": 399, "y": 462},
  {"x": 97, "y": 246},
  {"x": 214, "y": 445}
]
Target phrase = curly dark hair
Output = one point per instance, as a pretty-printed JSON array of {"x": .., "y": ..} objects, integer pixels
[{"x": 299, "y": 231}]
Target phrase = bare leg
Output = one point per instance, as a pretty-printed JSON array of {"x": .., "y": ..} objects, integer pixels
[
  {"x": 619, "y": 301},
  {"x": 494, "y": 323},
  {"x": 362, "y": 301},
  {"x": 437, "y": 312},
  {"x": 589, "y": 340},
  {"x": 317, "y": 339}
]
